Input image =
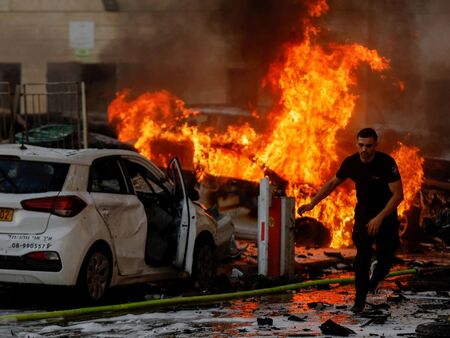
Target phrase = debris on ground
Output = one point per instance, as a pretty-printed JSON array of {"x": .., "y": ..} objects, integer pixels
[
  {"x": 396, "y": 298},
  {"x": 396, "y": 309},
  {"x": 309, "y": 231},
  {"x": 433, "y": 329},
  {"x": 318, "y": 306},
  {"x": 378, "y": 306},
  {"x": 264, "y": 321},
  {"x": 375, "y": 317},
  {"x": 330, "y": 327},
  {"x": 296, "y": 318}
]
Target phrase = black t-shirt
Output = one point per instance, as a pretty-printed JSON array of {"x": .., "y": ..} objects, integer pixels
[{"x": 371, "y": 181}]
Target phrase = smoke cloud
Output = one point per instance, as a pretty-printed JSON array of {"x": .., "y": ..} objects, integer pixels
[
  {"x": 187, "y": 51},
  {"x": 412, "y": 35}
]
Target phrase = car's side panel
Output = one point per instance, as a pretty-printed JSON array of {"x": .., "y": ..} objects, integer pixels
[
  {"x": 121, "y": 211},
  {"x": 88, "y": 229},
  {"x": 125, "y": 217}
]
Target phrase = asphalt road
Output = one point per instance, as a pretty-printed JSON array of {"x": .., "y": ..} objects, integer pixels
[{"x": 400, "y": 306}]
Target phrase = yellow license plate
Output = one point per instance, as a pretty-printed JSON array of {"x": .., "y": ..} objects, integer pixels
[{"x": 6, "y": 215}]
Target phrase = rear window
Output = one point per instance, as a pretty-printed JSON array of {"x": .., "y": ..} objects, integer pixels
[{"x": 23, "y": 177}]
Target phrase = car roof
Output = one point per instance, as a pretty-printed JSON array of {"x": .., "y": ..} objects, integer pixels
[{"x": 72, "y": 156}]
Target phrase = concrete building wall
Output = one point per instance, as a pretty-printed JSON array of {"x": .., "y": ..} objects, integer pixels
[
  {"x": 143, "y": 34},
  {"x": 36, "y": 32}
]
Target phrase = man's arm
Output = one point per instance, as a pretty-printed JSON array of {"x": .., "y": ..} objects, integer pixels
[
  {"x": 326, "y": 189},
  {"x": 397, "y": 196}
]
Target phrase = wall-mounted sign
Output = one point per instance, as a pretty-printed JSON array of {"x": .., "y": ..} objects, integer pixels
[
  {"x": 81, "y": 34},
  {"x": 82, "y": 52}
]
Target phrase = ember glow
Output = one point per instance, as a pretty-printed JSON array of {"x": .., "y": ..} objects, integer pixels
[{"x": 316, "y": 89}]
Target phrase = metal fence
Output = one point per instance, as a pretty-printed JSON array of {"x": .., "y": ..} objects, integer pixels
[{"x": 51, "y": 114}]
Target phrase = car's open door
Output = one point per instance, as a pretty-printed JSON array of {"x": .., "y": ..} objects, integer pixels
[{"x": 176, "y": 175}]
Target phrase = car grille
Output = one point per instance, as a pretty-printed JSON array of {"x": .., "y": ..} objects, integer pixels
[{"x": 22, "y": 263}]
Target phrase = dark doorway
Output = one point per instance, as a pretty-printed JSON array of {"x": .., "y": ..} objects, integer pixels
[
  {"x": 9, "y": 79},
  {"x": 100, "y": 80},
  {"x": 10, "y": 74}
]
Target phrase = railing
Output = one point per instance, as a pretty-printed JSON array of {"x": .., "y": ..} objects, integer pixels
[{"x": 51, "y": 114}]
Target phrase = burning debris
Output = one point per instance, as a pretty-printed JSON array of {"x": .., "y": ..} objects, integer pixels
[
  {"x": 314, "y": 88},
  {"x": 310, "y": 232}
]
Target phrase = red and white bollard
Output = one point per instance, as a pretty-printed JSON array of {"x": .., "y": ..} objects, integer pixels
[{"x": 276, "y": 223}]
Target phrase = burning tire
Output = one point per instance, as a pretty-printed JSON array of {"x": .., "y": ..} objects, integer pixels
[{"x": 410, "y": 228}]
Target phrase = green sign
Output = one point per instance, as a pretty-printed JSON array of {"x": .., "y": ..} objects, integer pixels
[{"x": 82, "y": 52}]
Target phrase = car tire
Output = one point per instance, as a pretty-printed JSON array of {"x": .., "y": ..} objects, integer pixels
[
  {"x": 410, "y": 227},
  {"x": 203, "y": 267},
  {"x": 95, "y": 275}
]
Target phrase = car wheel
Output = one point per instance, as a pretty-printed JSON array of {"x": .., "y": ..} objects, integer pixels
[
  {"x": 95, "y": 275},
  {"x": 410, "y": 227},
  {"x": 203, "y": 267}
]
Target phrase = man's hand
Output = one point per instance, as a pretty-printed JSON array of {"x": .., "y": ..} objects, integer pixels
[
  {"x": 326, "y": 189},
  {"x": 304, "y": 207},
  {"x": 374, "y": 225}
]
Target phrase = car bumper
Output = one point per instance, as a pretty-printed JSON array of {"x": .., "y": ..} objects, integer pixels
[
  {"x": 69, "y": 241},
  {"x": 24, "y": 263}
]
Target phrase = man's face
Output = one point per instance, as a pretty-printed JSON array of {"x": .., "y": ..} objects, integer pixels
[{"x": 366, "y": 148}]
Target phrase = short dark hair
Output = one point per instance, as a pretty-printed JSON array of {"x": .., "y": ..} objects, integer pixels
[{"x": 367, "y": 132}]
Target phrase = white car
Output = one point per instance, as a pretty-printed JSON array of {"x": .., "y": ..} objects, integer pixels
[{"x": 96, "y": 218}]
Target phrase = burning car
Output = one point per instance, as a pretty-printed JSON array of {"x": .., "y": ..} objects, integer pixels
[{"x": 95, "y": 218}]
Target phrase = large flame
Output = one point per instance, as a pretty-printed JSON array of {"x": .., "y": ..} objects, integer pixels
[
  {"x": 410, "y": 165},
  {"x": 315, "y": 86}
]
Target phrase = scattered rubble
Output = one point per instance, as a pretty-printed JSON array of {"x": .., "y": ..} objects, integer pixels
[
  {"x": 265, "y": 321},
  {"x": 297, "y": 318},
  {"x": 330, "y": 327},
  {"x": 433, "y": 329}
]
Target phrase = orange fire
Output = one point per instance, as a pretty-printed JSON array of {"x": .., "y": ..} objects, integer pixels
[
  {"x": 410, "y": 165},
  {"x": 315, "y": 86}
]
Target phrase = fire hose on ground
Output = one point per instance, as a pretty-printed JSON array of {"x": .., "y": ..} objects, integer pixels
[{"x": 179, "y": 301}]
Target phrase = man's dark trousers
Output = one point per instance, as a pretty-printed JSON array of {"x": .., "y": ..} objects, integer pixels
[{"x": 386, "y": 243}]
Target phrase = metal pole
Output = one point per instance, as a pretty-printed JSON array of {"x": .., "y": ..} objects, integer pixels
[
  {"x": 84, "y": 116},
  {"x": 25, "y": 108},
  {"x": 263, "y": 225}
]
